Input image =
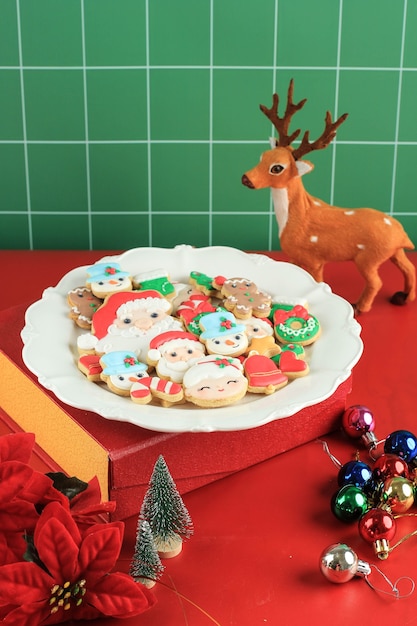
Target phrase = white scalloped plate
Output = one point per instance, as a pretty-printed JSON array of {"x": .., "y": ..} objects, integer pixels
[{"x": 50, "y": 338}]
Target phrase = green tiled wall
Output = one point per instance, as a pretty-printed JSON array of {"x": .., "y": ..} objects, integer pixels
[{"x": 130, "y": 122}]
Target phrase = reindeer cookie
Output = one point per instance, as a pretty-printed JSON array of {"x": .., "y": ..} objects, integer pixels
[{"x": 243, "y": 298}]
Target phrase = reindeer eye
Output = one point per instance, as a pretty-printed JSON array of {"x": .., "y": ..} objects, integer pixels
[{"x": 276, "y": 168}]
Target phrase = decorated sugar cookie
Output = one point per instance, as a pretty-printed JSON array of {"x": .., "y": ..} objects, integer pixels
[
  {"x": 203, "y": 283},
  {"x": 89, "y": 365},
  {"x": 156, "y": 279},
  {"x": 291, "y": 361},
  {"x": 263, "y": 375},
  {"x": 222, "y": 334},
  {"x": 173, "y": 352},
  {"x": 120, "y": 370},
  {"x": 83, "y": 305},
  {"x": 165, "y": 391},
  {"x": 128, "y": 321},
  {"x": 296, "y": 325},
  {"x": 243, "y": 298},
  {"x": 191, "y": 311},
  {"x": 106, "y": 278},
  {"x": 215, "y": 381},
  {"x": 261, "y": 337}
]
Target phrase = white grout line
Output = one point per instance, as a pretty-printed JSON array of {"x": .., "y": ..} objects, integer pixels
[
  {"x": 336, "y": 103},
  {"x": 318, "y": 68},
  {"x": 148, "y": 123},
  {"x": 211, "y": 116},
  {"x": 24, "y": 128},
  {"x": 397, "y": 119},
  {"x": 86, "y": 130}
]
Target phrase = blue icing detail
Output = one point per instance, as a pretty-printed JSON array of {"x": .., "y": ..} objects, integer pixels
[
  {"x": 220, "y": 323},
  {"x": 121, "y": 362},
  {"x": 105, "y": 271}
]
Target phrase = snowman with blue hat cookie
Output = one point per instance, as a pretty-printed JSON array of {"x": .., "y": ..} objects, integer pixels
[
  {"x": 120, "y": 369},
  {"x": 222, "y": 334}
]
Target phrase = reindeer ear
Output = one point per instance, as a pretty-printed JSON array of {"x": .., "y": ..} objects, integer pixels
[{"x": 304, "y": 167}]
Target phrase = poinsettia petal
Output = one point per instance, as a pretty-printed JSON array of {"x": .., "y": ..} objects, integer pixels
[
  {"x": 100, "y": 549},
  {"x": 57, "y": 550},
  {"x": 23, "y": 583},
  {"x": 40, "y": 490},
  {"x": 17, "y": 447},
  {"x": 118, "y": 595},
  {"x": 25, "y": 615},
  {"x": 17, "y": 516},
  {"x": 57, "y": 511},
  {"x": 13, "y": 477}
]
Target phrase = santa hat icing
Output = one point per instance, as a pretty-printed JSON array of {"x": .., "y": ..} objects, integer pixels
[
  {"x": 172, "y": 338},
  {"x": 101, "y": 272},
  {"x": 121, "y": 362},
  {"x": 212, "y": 366},
  {"x": 220, "y": 323}
]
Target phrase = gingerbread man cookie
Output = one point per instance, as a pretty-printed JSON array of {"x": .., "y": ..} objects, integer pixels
[
  {"x": 83, "y": 305},
  {"x": 243, "y": 298}
]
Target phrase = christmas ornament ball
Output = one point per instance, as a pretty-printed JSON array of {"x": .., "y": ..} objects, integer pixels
[
  {"x": 349, "y": 503},
  {"x": 357, "y": 420},
  {"x": 378, "y": 527},
  {"x": 398, "y": 494},
  {"x": 402, "y": 443},
  {"x": 355, "y": 473},
  {"x": 388, "y": 465},
  {"x": 339, "y": 563}
]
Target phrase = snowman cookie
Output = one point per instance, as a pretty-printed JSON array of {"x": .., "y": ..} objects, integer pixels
[{"x": 222, "y": 334}]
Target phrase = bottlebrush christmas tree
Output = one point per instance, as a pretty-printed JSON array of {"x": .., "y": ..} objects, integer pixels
[
  {"x": 146, "y": 566},
  {"x": 165, "y": 511}
]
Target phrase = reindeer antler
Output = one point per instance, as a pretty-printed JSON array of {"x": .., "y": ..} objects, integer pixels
[
  {"x": 282, "y": 124},
  {"x": 323, "y": 141}
]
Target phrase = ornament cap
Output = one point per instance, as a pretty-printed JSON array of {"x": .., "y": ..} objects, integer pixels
[
  {"x": 370, "y": 440},
  {"x": 363, "y": 568},
  {"x": 381, "y": 547}
]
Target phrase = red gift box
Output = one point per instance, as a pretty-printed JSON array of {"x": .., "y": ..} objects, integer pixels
[{"x": 122, "y": 455}]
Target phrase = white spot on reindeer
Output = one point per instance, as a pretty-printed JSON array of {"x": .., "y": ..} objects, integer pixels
[
  {"x": 317, "y": 203},
  {"x": 314, "y": 239},
  {"x": 349, "y": 212},
  {"x": 387, "y": 221},
  {"x": 361, "y": 246}
]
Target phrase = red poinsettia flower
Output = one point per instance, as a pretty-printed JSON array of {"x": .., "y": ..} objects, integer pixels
[
  {"x": 69, "y": 577},
  {"x": 87, "y": 505}
]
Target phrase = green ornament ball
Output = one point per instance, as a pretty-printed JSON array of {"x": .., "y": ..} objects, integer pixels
[{"x": 349, "y": 503}]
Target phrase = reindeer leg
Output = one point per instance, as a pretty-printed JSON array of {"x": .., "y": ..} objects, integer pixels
[
  {"x": 407, "y": 268},
  {"x": 369, "y": 272}
]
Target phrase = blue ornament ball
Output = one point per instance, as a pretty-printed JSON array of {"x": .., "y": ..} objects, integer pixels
[
  {"x": 354, "y": 473},
  {"x": 402, "y": 443}
]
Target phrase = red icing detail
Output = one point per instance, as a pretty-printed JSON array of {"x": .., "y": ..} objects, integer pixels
[
  {"x": 195, "y": 305},
  {"x": 288, "y": 362},
  {"x": 140, "y": 392},
  {"x": 106, "y": 314},
  {"x": 281, "y": 315},
  {"x": 220, "y": 280},
  {"x": 261, "y": 371},
  {"x": 92, "y": 363}
]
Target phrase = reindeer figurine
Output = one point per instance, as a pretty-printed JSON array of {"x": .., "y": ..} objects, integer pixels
[{"x": 312, "y": 232}]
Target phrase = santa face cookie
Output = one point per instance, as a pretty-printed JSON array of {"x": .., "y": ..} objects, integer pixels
[
  {"x": 173, "y": 352},
  {"x": 215, "y": 381},
  {"x": 128, "y": 321},
  {"x": 222, "y": 334},
  {"x": 106, "y": 278},
  {"x": 120, "y": 370}
]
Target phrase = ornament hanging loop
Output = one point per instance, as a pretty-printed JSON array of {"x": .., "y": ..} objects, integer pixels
[{"x": 393, "y": 591}]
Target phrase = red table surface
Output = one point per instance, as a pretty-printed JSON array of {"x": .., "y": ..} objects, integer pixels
[{"x": 259, "y": 533}]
